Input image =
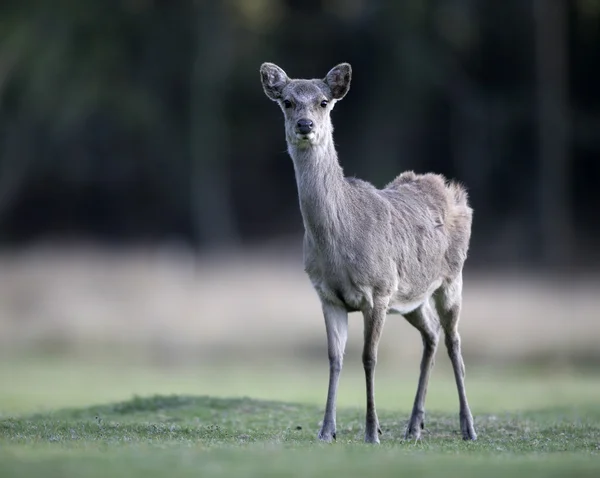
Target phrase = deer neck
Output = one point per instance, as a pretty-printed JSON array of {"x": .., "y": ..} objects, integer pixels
[{"x": 321, "y": 189}]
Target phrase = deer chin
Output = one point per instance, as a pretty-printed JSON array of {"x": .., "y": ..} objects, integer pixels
[{"x": 305, "y": 139}]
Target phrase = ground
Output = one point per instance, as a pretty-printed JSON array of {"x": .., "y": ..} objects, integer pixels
[{"x": 529, "y": 424}]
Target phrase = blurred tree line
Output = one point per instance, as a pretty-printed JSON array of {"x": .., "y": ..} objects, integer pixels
[{"x": 144, "y": 120}]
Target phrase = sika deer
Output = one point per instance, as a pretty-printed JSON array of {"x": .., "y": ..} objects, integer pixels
[{"x": 400, "y": 249}]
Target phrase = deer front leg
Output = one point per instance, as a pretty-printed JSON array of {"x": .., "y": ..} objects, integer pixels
[
  {"x": 374, "y": 321},
  {"x": 336, "y": 325}
]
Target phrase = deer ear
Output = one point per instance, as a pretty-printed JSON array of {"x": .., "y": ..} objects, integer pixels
[
  {"x": 273, "y": 80},
  {"x": 338, "y": 80}
]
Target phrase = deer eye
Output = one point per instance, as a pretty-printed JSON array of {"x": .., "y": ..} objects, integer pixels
[
  {"x": 287, "y": 104},
  {"x": 324, "y": 103}
]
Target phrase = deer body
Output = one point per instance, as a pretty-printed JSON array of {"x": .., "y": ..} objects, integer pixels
[{"x": 394, "y": 250}]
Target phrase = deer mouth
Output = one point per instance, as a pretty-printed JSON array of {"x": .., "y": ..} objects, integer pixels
[{"x": 305, "y": 137}]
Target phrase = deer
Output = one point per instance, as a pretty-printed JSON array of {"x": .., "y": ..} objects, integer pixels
[{"x": 396, "y": 250}]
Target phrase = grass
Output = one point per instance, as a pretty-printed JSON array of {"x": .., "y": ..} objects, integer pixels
[
  {"x": 189, "y": 435},
  {"x": 529, "y": 424}
]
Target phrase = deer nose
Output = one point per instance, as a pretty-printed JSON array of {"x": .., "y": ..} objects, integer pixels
[{"x": 304, "y": 126}]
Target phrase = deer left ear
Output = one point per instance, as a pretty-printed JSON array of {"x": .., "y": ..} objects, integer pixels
[{"x": 338, "y": 80}]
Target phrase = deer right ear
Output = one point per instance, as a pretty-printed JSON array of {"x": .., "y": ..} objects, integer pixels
[{"x": 273, "y": 80}]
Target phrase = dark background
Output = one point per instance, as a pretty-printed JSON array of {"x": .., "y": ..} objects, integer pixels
[
  {"x": 144, "y": 121},
  {"x": 150, "y": 235}
]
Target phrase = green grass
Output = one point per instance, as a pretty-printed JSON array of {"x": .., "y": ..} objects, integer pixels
[
  {"x": 200, "y": 436},
  {"x": 529, "y": 424}
]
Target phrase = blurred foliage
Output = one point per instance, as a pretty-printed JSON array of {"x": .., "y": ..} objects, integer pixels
[{"x": 144, "y": 120}]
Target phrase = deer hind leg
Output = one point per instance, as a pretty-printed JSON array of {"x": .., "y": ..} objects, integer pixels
[
  {"x": 336, "y": 325},
  {"x": 374, "y": 320},
  {"x": 448, "y": 301},
  {"x": 427, "y": 323}
]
